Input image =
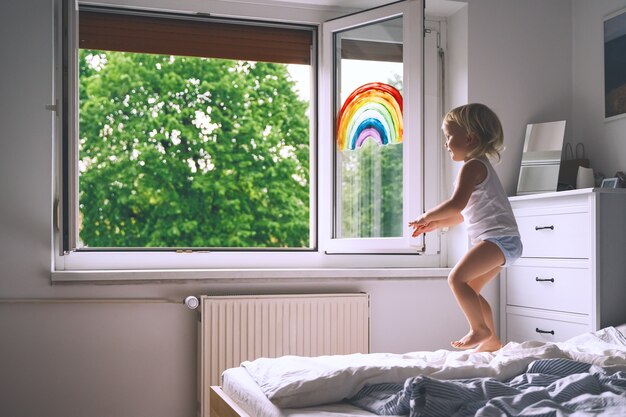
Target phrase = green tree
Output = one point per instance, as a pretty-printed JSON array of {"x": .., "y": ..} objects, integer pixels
[
  {"x": 191, "y": 152},
  {"x": 371, "y": 191}
]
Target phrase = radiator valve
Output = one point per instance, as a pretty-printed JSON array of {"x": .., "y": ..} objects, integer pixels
[{"x": 192, "y": 302}]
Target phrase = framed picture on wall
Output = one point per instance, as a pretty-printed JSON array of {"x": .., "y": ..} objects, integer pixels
[{"x": 615, "y": 65}]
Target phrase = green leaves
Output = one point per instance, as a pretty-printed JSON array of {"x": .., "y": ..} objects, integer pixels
[{"x": 191, "y": 152}]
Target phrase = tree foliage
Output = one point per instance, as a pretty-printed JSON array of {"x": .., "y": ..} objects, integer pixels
[
  {"x": 191, "y": 152},
  {"x": 371, "y": 193}
]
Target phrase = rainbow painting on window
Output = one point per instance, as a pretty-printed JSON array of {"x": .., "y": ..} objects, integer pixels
[{"x": 372, "y": 111}]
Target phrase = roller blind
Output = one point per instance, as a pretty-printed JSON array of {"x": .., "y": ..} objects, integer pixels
[
  {"x": 169, "y": 35},
  {"x": 371, "y": 51}
]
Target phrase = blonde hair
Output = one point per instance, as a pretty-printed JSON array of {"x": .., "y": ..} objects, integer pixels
[{"x": 481, "y": 122}]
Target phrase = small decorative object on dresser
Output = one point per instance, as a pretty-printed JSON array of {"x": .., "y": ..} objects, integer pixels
[
  {"x": 585, "y": 178},
  {"x": 609, "y": 182},
  {"x": 571, "y": 277}
]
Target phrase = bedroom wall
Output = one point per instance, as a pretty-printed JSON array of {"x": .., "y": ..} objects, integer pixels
[
  {"x": 520, "y": 64},
  {"x": 124, "y": 350}
]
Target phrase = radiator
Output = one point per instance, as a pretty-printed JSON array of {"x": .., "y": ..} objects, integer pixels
[{"x": 234, "y": 329}]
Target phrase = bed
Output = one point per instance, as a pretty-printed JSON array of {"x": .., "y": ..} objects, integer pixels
[{"x": 585, "y": 375}]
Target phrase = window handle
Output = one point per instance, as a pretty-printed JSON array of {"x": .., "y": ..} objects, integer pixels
[
  {"x": 551, "y": 227},
  {"x": 544, "y": 279},
  {"x": 538, "y": 330}
]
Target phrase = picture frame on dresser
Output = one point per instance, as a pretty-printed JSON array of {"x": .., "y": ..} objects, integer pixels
[
  {"x": 609, "y": 182},
  {"x": 571, "y": 276}
]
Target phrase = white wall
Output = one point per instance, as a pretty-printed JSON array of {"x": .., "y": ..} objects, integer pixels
[
  {"x": 520, "y": 64},
  {"x": 66, "y": 358}
]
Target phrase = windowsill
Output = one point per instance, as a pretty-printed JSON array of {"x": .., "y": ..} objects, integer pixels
[{"x": 295, "y": 275}]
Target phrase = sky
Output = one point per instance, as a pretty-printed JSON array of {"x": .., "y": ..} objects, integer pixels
[{"x": 356, "y": 73}]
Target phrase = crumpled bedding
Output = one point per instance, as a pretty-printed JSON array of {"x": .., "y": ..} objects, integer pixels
[
  {"x": 294, "y": 381},
  {"x": 549, "y": 387}
]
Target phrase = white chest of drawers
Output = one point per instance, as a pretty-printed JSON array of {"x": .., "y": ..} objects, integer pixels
[{"x": 572, "y": 275}]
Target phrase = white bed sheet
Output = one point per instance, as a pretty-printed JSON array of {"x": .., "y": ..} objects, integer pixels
[
  {"x": 239, "y": 386},
  {"x": 292, "y": 381}
]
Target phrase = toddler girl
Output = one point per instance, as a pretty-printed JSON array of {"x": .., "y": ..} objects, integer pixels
[{"x": 473, "y": 133}]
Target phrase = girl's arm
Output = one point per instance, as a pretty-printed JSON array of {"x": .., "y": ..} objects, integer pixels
[{"x": 471, "y": 174}]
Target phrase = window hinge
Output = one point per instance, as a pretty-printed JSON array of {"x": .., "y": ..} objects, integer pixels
[
  {"x": 53, "y": 107},
  {"x": 56, "y": 220}
]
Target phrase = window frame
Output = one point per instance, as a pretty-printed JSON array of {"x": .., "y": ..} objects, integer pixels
[
  {"x": 412, "y": 115},
  {"x": 233, "y": 261}
]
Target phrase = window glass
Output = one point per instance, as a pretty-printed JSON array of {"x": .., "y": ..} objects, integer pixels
[
  {"x": 179, "y": 150},
  {"x": 369, "y": 154}
]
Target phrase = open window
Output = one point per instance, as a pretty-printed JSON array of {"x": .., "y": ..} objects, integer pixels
[
  {"x": 373, "y": 74},
  {"x": 190, "y": 142}
]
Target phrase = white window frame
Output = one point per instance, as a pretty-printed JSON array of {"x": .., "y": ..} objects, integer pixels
[
  {"x": 326, "y": 260},
  {"x": 410, "y": 11}
]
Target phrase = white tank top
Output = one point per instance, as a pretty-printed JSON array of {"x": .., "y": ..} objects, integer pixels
[{"x": 488, "y": 212}]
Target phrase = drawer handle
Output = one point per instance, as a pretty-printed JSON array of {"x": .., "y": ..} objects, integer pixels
[
  {"x": 551, "y": 227},
  {"x": 538, "y": 330},
  {"x": 544, "y": 279}
]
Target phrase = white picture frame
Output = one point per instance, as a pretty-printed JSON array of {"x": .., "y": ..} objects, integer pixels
[{"x": 609, "y": 182}]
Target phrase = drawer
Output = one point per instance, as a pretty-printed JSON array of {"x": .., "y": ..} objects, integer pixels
[
  {"x": 554, "y": 235},
  {"x": 531, "y": 325},
  {"x": 550, "y": 288}
]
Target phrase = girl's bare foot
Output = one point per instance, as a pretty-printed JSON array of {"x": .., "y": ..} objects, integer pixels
[
  {"x": 473, "y": 338},
  {"x": 490, "y": 345}
]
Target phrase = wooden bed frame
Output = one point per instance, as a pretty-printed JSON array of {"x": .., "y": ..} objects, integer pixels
[{"x": 221, "y": 405}]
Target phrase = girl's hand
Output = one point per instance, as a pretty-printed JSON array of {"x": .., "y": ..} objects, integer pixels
[{"x": 422, "y": 226}]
